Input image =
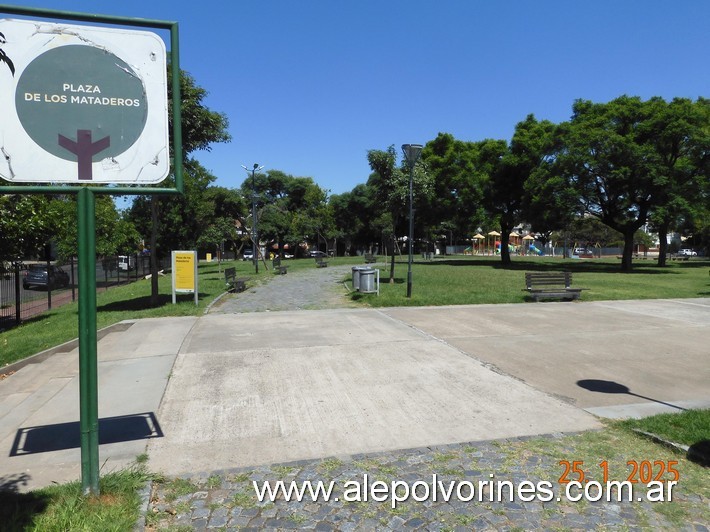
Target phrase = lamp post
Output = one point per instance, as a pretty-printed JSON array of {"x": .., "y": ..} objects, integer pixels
[
  {"x": 412, "y": 152},
  {"x": 254, "y": 227}
]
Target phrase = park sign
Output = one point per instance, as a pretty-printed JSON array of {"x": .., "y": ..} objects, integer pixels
[
  {"x": 184, "y": 273},
  {"x": 82, "y": 104}
]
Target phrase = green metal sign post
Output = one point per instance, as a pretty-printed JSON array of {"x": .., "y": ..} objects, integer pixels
[
  {"x": 60, "y": 125},
  {"x": 88, "y": 360}
]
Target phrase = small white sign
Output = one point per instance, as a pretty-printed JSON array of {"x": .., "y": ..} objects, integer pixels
[{"x": 82, "y": 104}]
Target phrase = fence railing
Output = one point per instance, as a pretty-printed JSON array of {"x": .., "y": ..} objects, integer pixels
[{"x": 23, "y": 297}]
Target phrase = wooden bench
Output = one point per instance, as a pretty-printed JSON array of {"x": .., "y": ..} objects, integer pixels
[
  {"x": 230, "y": 277},
  {"x": 551, "y": 285},
  {"x": 370, "y": 258},
  {"x": 281, "y": 270},
  {"x": 320, "y": 263}
]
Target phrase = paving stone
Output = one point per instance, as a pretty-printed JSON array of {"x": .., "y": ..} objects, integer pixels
[
  {"x": 200, "y": 513},
  {"x": 217, "y": 521}
]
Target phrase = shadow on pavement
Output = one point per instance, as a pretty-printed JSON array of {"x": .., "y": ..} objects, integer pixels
[
  {"x": 602, "y": 386},
  {"x": 61, "y": 436}
]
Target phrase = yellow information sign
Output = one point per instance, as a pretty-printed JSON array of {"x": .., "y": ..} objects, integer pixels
[{"x": 184, "y": 265}]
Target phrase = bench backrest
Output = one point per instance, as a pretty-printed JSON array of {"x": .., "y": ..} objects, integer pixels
[
  {"x": 230, "y": 272},
  {"x": 277, "y": 262},
  {"x": 548, "y": 279}
]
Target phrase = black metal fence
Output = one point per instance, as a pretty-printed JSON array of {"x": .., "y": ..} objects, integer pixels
[{"x": 20, "y": 301}]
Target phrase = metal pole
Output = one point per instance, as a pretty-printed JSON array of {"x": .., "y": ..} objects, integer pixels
[
  {"x": 254, "y": 230},
  {"x": 411, "y": 229},
  {"x": 18, "y": 295},
  {"x": 88, "y": 374},
  {"x": 73, "y": 279},
  {"x": 412, "y": 153},
  {"x": 254, "y": 226},
  {"x": 49, "y": 279}
]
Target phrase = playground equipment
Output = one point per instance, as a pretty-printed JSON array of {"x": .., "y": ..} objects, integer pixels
[{"x": 533, "y": 249}]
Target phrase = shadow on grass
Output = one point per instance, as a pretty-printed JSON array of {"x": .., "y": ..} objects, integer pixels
[
  {"x": 572, "y": 265},
  {"x": 8, "y": 322},
  {"x": 143, "y": 302},
  {"x": 700, "y": 453},
  {"x": 17, "y": 510}
]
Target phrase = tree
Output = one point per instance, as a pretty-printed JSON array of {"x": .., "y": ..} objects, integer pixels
[
  {"x": 679, "y": 134},
  {"x": 608, "y": 160},
  {"x": 391, "y": 185},
  {"x": 457, "y": 200},
  {"x": 114, "y": 233},
  {"x": 632, "y": 161},
  {"x": 180, "y": 216},
  {"x": 220, "y": 214},
  {"x": 215, "y": 235},
  {"x": 314, "y": 217},
  {"x": 353, "y": 215},
  {"x": 509, "y": 168},
  {"x": 25, "y": 225},
  {"x": 550, "y": 203},
  {"x": 290, "y": 209}
]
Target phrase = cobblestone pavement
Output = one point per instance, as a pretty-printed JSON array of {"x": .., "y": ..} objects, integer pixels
[
  {"x": 226, "y": 499},
  {"x": 311, "y": 289}
]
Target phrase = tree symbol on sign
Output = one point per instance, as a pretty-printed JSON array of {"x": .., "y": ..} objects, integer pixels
[{"x": 84, "y": 148}]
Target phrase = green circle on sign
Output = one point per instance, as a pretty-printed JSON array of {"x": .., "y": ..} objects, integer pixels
[{"x": 78, "y": 87}]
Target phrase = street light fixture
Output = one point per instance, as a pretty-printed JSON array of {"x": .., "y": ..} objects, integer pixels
[
  {"x": 254, "y": 227},
  {"x": 412, "y": 152}
]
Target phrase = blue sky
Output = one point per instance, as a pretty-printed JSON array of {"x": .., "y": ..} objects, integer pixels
[{"x": 310, "y": 86}]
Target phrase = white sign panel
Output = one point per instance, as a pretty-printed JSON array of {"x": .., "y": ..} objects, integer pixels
[{"x": 82, "y": 104}]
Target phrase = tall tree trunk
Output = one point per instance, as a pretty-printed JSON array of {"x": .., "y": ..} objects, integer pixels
[
  {"x": 154, "y": 295},
  {"x": 505, "y": 230},
  {"x": 628, "y": 251},
  {"x": 663, "y": 243}
]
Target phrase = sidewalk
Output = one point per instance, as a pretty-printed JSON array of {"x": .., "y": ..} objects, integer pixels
[{"x": 245, "y": 394}]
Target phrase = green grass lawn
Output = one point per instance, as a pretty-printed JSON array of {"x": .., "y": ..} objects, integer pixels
[
  {"x": 460, "y": 281},
  {"x": 686, "y": 428},
  {"x": 64, "y": 507}
]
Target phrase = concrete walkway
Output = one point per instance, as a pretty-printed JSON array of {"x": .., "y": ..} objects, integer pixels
[
  {"x": 39, "y": 403},
  {"x": 297, "y": 385}
]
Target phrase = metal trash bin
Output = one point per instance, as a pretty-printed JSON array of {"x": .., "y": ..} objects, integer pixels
[
  {"x": 367, "y": 281},
  {"x": 356, "y": 276}
]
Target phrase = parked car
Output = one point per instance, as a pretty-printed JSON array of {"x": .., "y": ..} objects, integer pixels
[
  {"x": 248, "y": 254},
  {"x": 583, "y": 251},
  {"x": 41, "y": 276},
  {"x": 687, "y": 253},
  {"x": 316, "y": 253}
]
